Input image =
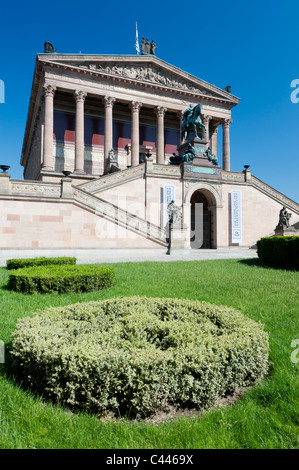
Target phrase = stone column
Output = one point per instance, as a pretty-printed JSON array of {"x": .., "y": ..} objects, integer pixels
[
  {"x": 49, "y": 92},
  {"x": 108, "y": 138},
  {"x": 180, "y": 115},
  {"x": 226, "y": 145},
  {"x": 160, "y": 156},
  {"x": 135, "y": 107},
  {"x": 214, "y": 141},
  {"x": 206, "y": 133},
  {"x": 79, "y": 139}
]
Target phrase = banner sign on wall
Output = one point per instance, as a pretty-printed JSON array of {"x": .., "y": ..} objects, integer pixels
[
  {"x": 236, "y": 211},
  {"x": 168, "y": 196}
]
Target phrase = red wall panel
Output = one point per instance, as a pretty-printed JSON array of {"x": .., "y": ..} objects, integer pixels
[{"x": 65, "y": 125}]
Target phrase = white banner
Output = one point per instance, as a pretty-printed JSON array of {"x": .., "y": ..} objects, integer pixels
[
  {"x": 167, "y": 197},
  {"x": 236, "y": 212}
]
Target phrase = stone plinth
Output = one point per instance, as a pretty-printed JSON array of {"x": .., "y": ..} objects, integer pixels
[
  {"x": 200, "y": 147},
  {"x": 198, "y": 144},
  {"x": 282, "y": 231},
  {"x": 178, "y": 237},
  {"x": 66, "y": 188},
  {"x": 4, "y": 183},
  {"x": 200, "y": 171}
]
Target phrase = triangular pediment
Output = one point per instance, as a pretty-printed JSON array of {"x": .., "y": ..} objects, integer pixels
[{"x": 143, "y": 69}]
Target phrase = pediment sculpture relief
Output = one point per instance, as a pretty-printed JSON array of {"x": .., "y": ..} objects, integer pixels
[{"x": 146, "y": 73}]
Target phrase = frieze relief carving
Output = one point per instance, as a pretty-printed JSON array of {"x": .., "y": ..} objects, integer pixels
[
  {"x": 44, "y": 189},
  {"x": 146, "y": 73}
]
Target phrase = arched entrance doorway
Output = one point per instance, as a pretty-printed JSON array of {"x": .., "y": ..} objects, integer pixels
[{"x": 202, "y": 220}]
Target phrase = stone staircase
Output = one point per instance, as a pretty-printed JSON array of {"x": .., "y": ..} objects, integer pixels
[
  {"x": 119, "y": 216},
  {"x": 113, "y": 179},
  {"x": 274, "y": 194}
]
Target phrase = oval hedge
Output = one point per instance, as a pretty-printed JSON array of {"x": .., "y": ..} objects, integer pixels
[
  {"x": 138, "y": 355},
  {"x": 61, "y": 279},
  {"x": 42, "y": 261}
]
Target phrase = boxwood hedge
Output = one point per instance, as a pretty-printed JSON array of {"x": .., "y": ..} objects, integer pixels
[
  {"x": 60, "y": 279},
  {"x": 42, "y": 261},
  {"x": 280, "y": 252},
  {"x": 138, "y": 355}
]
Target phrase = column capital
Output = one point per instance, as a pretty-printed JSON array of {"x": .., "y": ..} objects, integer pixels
[
  {"x": 227, "y": 122},
  {"x": 108, "y": 101},
  {"x": 49, "y": 90},
  {"x": 160, "y": 110},
  {"x": 206, "y": 118},
  {"x": 135, "y": 105},
  {"x": 214, "y": 129},
  {"x": 79, "y": 95}
]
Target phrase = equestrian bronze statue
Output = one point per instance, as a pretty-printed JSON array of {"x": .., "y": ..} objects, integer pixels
[{"x": 191, "y": 122}]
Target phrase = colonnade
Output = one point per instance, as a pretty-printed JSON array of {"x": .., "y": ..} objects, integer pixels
[{"x": 80, "y": 96}]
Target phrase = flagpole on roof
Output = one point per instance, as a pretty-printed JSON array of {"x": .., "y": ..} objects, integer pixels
[{"x": 137, "y": 41}]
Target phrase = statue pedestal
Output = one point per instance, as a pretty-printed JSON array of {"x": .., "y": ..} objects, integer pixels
[
  {"x": 203, "y": 161},
  {"x": 178, "y": 237},
  {"x": 283, "y": 231},
  {"x": 200, "y": 146}
]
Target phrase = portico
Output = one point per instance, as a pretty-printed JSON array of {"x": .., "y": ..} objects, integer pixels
[{"x": 133, "y": 102}]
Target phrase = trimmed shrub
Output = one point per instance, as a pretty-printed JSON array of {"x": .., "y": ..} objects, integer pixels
[
  {"x": 61, "y": 279},
  {"x": 43, "y": 261},
  {"x": 138, "y": 355},
  {"x": 280, "y": 252}
]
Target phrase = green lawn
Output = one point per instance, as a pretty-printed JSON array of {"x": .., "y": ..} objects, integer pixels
[{"x": 264, "y": 417}]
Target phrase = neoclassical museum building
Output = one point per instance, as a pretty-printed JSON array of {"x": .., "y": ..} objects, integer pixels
[{"x": 103, "y": 156}]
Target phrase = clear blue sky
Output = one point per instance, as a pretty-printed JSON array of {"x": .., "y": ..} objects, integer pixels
[{"x": 252, "y": 46}]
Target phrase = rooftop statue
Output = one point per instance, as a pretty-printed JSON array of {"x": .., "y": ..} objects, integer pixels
[
  {"x": 48, "y": 48},
  {"x": 147, "y": 47},
  {"x": 191, "y": 121},
  {"x": 153, "y": 47}
]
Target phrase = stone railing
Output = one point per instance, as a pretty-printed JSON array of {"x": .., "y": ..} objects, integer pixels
[
  {"x": 120, "y": 216},
  {"x": 274, "y": 194},
  {"x": 35, "y": 188},
  {"x": 167, "y": 171},
  {"x": 233, "y": 177},
  {"x": 113, "y": 179}
]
